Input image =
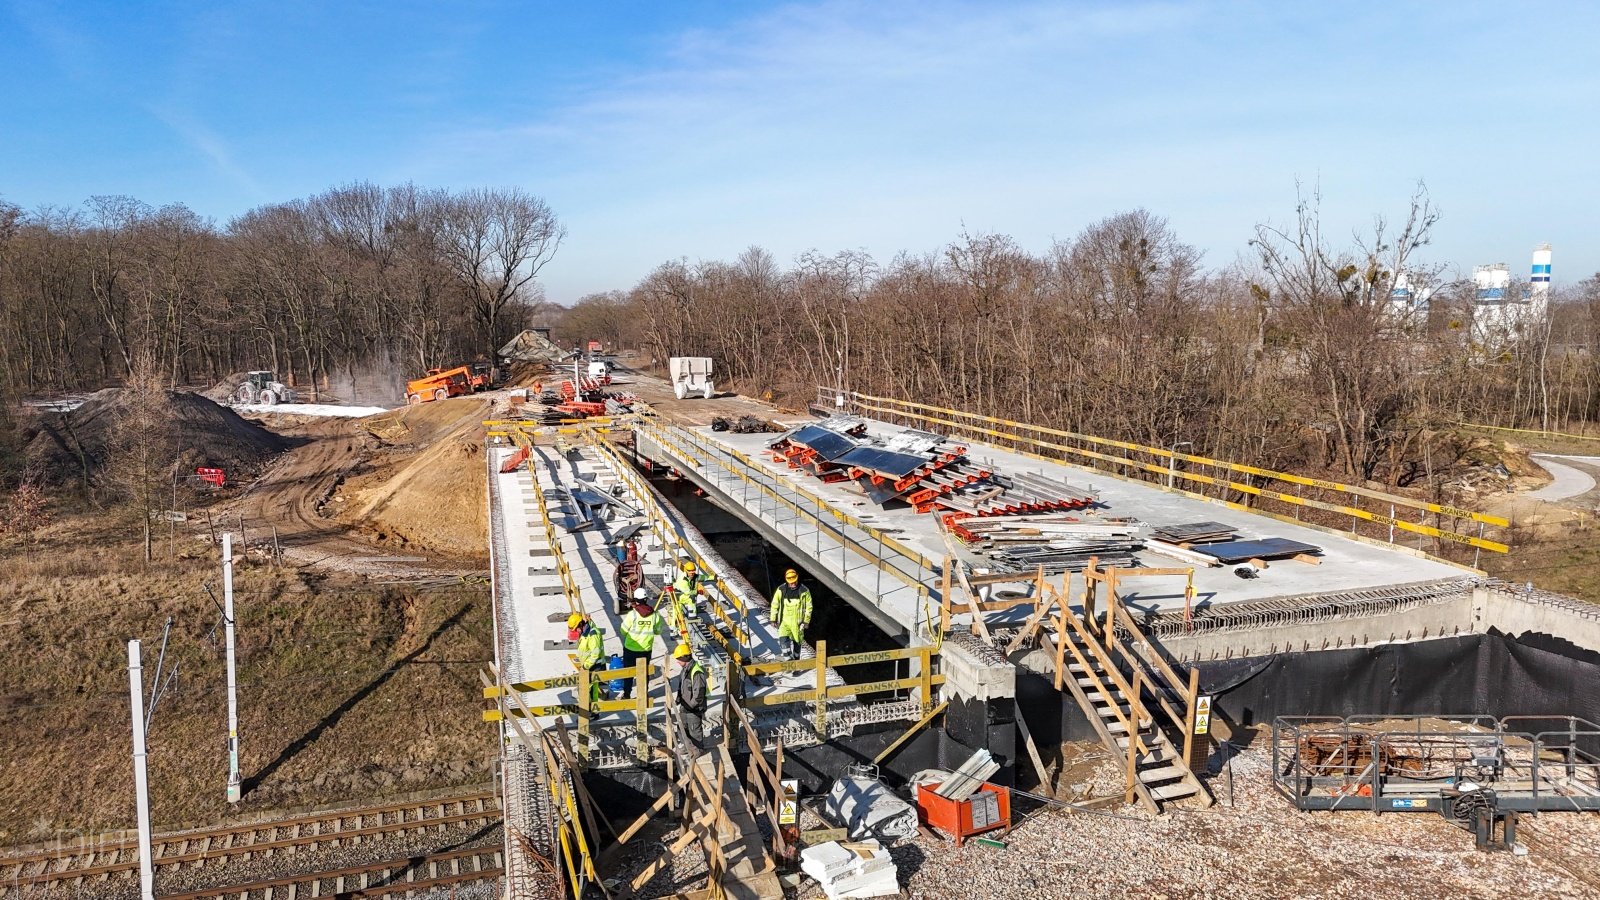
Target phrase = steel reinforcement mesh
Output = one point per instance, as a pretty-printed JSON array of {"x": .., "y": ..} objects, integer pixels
[{"x": 1307, "y": 609}]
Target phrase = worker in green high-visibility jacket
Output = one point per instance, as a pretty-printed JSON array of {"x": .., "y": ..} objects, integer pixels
[
  {"x": 591, "y": 650},
  {"x": 639, "y": 630},
  {"x": 688, "y": 589},
  {"x": 791, "y": 609}
]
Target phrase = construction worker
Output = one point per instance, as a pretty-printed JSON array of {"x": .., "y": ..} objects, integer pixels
[
  {"x": 691, "y": 694},
  {"x": 689, "y": 590},
  {"x": 639, "y": 629},
  {"x": 591, "y": 649},
  {"x": 791, "y": 609}
]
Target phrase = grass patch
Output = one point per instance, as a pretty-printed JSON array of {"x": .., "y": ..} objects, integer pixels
[{"x": 346, "y": 691}]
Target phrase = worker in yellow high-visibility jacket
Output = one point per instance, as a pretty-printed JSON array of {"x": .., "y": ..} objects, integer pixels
[
  {"x": 639, "y": 630},
  {"x": 689, "y": 589},
  {"x": 591, "y": 649},
  {"x": 791, "y": 610}
]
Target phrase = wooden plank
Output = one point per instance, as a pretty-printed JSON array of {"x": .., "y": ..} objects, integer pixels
[
  {"x": 909, "y": 732},
  {"x": 1033, "y": 754}
]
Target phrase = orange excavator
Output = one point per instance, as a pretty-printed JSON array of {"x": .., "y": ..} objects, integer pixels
[{"x": 439, "y": 384}]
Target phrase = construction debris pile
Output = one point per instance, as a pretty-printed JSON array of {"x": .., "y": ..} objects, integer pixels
[
  {"x": 577, "y": 397},
  {"x": 744, "y": 425},
  {"x": 928, "y": 471},
  {"x": 535, "y": 346},
  {"x": 1016, "y": 518}
]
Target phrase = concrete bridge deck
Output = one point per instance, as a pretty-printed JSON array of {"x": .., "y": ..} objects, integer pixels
[{"x": 818, "y": 521}]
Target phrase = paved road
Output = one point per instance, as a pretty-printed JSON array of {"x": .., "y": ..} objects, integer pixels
[{"x": 1569, "y": 480}]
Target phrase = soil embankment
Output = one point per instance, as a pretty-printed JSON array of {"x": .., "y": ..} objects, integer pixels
[{"x": 399, "y": 494}]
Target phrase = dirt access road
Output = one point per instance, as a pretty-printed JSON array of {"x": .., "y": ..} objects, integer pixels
[
  {"x": 657, "y": 392},
  {"x": 295, "y": 493}
]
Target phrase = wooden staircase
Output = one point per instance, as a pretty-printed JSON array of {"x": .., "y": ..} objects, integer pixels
[{"x": 1130, "y": 694}]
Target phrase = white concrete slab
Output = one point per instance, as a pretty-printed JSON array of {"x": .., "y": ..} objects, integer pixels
[{"x": 1347, "y": 564}]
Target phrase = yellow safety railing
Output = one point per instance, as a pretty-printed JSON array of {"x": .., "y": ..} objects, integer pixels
[
  {"x": 573, "y": 820},
  {"x": 679, "y": 550},
  {"x": 923, "y": 681},
  {"x": 569, "y": 587},
  {"x": 1010, "y": 430},
  {"x": 670, "y": 436}
]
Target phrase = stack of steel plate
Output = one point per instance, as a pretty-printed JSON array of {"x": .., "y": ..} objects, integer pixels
[
  {"x": 1194, "y": 533},
  {"x": 927, "y": 471},
  {"x": 1059, "y": 543},
  {"x": 1265, "y": 548}
]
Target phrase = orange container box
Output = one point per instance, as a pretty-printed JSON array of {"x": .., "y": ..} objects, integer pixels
[{"x": 989, "y": 809}]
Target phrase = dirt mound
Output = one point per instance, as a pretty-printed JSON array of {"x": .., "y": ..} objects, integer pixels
[
  {"x": 223, "y": 391},
  {"x": 435, "y": 501},
  {"x": 76, "y": 445},
  {"x": 428, "y": 494},
  {"x": 425, "y": 423}
]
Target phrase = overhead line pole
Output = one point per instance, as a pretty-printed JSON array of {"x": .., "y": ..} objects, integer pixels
[
  {"x": 141, "y": 785},
  {"x": 233, "y": 700}
]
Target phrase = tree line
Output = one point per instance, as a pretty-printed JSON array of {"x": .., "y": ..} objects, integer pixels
[
  {"x": 1297, "y": 359},
  {"x": 357, "y": 276}
]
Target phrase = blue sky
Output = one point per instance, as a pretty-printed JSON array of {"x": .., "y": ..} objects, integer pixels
[{"x": 659, "y": 130}]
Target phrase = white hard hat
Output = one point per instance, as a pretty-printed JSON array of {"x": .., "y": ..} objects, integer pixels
[{"x": 641, "y": 594}]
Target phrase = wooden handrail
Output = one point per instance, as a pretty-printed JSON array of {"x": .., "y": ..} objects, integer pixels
[{"x": 1135, "y": 702}]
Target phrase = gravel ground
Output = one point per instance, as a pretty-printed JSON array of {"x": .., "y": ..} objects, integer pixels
[{"x": 1259, "y": 847}]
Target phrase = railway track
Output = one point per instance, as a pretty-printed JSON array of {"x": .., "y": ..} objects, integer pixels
[
  {"x": 383, "y": 879},
  {"x": 79, "y": 866}
]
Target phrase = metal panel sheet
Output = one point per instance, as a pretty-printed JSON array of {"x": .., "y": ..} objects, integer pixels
[
  {"x": 827, "y": 443},
  {"x": 883, "y": 462},
  {"x": 1266, "y": 548}
]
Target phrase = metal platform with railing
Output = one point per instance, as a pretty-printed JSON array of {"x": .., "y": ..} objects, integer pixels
[{"x": 1428, "y": 763}]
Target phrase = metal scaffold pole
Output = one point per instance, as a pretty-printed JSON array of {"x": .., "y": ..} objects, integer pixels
[
  {"x": 233, "y": 699},
  {"x": 141, "y": 786}
]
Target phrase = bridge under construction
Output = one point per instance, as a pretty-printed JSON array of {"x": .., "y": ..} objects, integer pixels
[{"x": 1025, "y": 586}]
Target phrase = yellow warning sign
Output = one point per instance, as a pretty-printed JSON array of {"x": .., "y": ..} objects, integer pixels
[
  {"x": 1202, "y": 714},
  {"x": 788, "y": 807}
]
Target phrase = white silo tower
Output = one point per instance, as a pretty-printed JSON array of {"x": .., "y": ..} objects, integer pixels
[{"x": 1539, "y": 280}]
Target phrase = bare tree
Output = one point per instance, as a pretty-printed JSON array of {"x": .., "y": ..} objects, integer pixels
[
  {"x": 1337, "y": 307},
  {"x": 141, "y": 448},
  {"x": 495, "y": 242}
]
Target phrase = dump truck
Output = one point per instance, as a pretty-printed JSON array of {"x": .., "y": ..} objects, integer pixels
[
  {"x": 263, "y": 387},
  {"x": 439, "y": 384}
]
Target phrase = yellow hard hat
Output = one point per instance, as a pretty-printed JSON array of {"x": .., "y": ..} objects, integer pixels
[
  {"x": 574, "y": 620},
  {"x": 791, "y": 576},
  {"x": 688, "y": 566},
  {"x": 681, "y": 651}
]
